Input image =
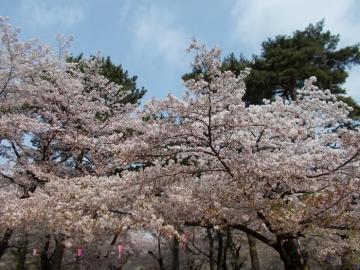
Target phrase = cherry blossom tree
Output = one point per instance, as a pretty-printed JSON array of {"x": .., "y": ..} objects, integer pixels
[
  {"x": 275, "y": 171},
  {"x": 57, "y": 122}
]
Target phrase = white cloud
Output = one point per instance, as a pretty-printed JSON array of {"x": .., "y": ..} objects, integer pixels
[
  {"x": 352, "y": 84},
  {"x": 44, "y": 13},
  {"x": 155, "y": 30},
  {"x": 255, "y": 20}
]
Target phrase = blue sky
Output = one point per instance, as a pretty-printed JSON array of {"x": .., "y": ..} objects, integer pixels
[{"x": 149, "y": 37}]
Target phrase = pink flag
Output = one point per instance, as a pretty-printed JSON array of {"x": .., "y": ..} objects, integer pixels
[
  {"x": 80, "y": 252},
  {"x": 34, "y": 252},
  {"x": 121, "y": 249},
  {"x": 185, "y": 239}
]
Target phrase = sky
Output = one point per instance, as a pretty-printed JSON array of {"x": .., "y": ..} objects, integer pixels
[{"x": 149, "y": 37}]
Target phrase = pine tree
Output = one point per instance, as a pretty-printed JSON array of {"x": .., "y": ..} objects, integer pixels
[
  {"x": 119, "y": 76},
  {"x": 286, "y": 61}
]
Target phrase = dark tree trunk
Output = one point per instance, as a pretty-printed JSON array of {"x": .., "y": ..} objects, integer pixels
[
  {"x": 293, "y": 93},
  {"x": 22, "y": 250},
  {"x": 5, "y": 241},
  {"x": 44, "y": 258},
  {"x": 220, "y": 250},
  {"x": 175, "y": 254},
  {"x": 211, "y": 249},
  {"x": 236, "y": 262},
  {"x": 77, "y": 263},
  {"x": 226, "y": 248},
  {"x": 255, "y": 264},
  {"x": 58, "y": 253},
  {"x": 159, "y": 258},
  {"x": 289, "y": 91},
  {"x": 291, "y": 255}
]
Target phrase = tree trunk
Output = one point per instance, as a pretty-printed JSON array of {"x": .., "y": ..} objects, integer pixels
[
  {"x": 77, "y": 263},
  {"x": 255, "y": 263},
  {"x": 175, "y": 254},
  {"x": 5, "y": 241},
  {"x": 289, "y": 91},
  {"x": 158, "y": 258},
  {"x": 291, "y": 255},
  {"x": 293, "y": 94},
  {"x": 22, "y": 250},
  {"x": 44, "y": 259},
  {"x": 58, "y": 253},
  {"x": 226, "y": 248},
  {"x": 211, "y": 249},
  {"x": 220, "y": 250}
]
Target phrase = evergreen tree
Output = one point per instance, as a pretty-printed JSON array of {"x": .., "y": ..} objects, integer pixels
[
  {"x": 117, "y": 75},
  {"x": 286, "y": 61}
]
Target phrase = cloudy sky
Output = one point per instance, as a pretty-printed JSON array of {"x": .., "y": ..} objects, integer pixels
[{"x": 149, "y": 37}]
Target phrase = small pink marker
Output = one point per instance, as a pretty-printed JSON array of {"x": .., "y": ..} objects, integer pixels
[
  {"x": 34, "y": 253},
  {"x": 80, "y": 252},
  {"x": 121, "y": 249},
  {"x": 185, "y": 239}
]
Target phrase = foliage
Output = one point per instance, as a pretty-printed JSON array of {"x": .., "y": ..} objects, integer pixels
[
  {"x": 286, "y": 61},
  {"x": 117, "y": 75}
]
